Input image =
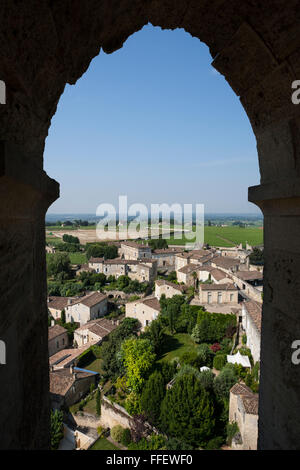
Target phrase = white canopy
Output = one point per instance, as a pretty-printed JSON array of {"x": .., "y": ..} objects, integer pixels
[
  {"x": 238, "y": 358},
  {"x": 204, "y": 368}
]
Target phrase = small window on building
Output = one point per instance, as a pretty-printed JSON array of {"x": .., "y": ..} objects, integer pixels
[
  {"x": 219, "y": 297},
  {"x": 208, "y": 297}
]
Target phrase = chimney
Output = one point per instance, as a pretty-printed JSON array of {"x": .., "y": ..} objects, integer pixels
[
  {"x": 118, "y": 322},
  {"x": 52, "y": 322},
  {"x": 71, "y": 368},
  {"x": 69, "y": 301}
]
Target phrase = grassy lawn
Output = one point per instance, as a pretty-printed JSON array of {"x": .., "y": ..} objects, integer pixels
[
  {"x": 95, "y": 366},
  {"x": 103, "y": 444},
  {"x": 75, "y": 258},
  {"x": 226, "y": 236},
  {"x": 176, "y": 346}
]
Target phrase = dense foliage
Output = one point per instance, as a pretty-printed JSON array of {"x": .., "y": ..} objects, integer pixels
[
  {"x": 101, "y": 250},
  {"x": 187, "y": 411},
  {"x": 138, "y": 357},
  {"x": 112, "y": 363},
  {"x": 56, "y": 428}
]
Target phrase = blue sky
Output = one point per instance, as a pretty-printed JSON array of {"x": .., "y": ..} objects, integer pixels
[{"x": 153, "y": 121}]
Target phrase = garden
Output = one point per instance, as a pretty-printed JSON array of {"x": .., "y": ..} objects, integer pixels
[{"x": 156, "y": 376}]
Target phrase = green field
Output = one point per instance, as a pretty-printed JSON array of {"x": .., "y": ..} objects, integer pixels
[
  {"x": 176, "y": 345},
  {"x": 103, "y": 444},
  {"x": 75, "y": 258},
  {"x": 227, "y": 236},
  {"x": 55, "y": 228}
]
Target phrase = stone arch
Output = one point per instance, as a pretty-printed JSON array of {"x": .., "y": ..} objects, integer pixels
[{"x": 46, "y": 45}]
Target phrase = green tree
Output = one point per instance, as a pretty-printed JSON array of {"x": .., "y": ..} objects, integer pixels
[
  {"x": 98, "y": 402},
  {"x": 220, "y": 361},
  {"x": 63, "y": 316},
  {"x": 155, "y": 333},
  {"x": 224, "y": 381},
  {"x": 257, "y": 257},
  {"x": 70, "y": 239},
  {"x": 152, "y": 396},
  {"x": 201, "y": 332},
  {"x": 111, "y": 364},
  {"x": 56, "y": 428},
  {"x": 138, "y": 357},
  {"x": 59, "y": 263},
  {"x": 205, "y": 355},
  {"x": 187, "y": 411}
]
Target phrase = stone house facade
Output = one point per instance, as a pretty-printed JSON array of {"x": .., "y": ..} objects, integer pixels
[
  {"x": 142, "y": 271},
  {"x": 251, "y": 322},
  {"x": 218, "y": 294},
  {"x": 166, "y": 257},
  {"x": 145, "y": 310},
  {"x": 243, "y": 410},
  {"x": 168, "y": 288},
  {"x": 186, "y": 274},
  {"x": 84, "y": 309},
  {"x": 57, "y": 339},
  {"x": 94, "y": 331},
  {"x": 134, "y": 251},
  {"x": 56, "y": 305}
]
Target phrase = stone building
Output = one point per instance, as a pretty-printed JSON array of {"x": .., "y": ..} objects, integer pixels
[
  {"x": 219, "y": 277},
  {"x": 145, "y": 310},
  {"x": 144, "y": 270},
  {"x": 86, "y": 308},
  {"x": 188, "y": 274},
  {"x": 166, "y": 257},
  {"x": 68, "y": 386},
  {"x": 135, "y": 251},
  {"x": 94, "y": 331},
  {"x": 226, "y": 263},
  {"x": 251, "y": 322},
  {"x": 243, "y": 410},
  {"x": 218, "y": 294},
  {"x": 249, "y": 283},
  {"x": 168, "y": 288},
  {"x": 57, "y": 339},
  {"x": 56, "y": 305}
]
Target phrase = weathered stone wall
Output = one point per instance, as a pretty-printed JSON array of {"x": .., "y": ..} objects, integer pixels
[
  {"x": 86, "y": 420},
  {"x": 113, "y": 415}
]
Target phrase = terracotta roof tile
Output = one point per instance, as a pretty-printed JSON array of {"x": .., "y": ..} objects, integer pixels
[
  {"x": 55, "y": 331},
  {"x": 254, "y": 309}
]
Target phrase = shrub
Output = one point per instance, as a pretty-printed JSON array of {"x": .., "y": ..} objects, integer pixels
[
  {"x": 215, "y": 347},
  {"x": 126, "y": 437},
  {"x": 117, "y": 433},
  {"x": 244, "y": 339},
  {"x": 219, "y": 361},
  {"x": 56, "y": 429},
  {"x": 232, "y": 429},
  {"x": 215, "y": 443},
  {"x": 225, "y": 380}
]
